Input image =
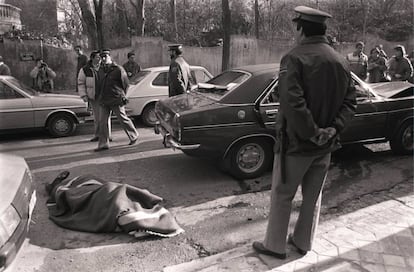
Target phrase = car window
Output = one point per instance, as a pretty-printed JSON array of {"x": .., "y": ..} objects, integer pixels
[
  {"x": 272, "y": 97},
  {"x": 21, "y": 86},
  {"x": 161, "y": 79},
  {"x": 7, "y": 92},
  {"x": 200, "y": 76},
  {"x": 220, "y": 85},
  {"x": 138, "y": 77}
]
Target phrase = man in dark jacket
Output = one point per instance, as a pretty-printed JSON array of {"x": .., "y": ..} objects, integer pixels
[
  {"x": 317, "y": 101},
  {"x": 131, "y": 66},
  {"x": 113, "y": 87},
  {"x": 400, "y": 68},
  {"x": 82, "y": 60},
  {"x": 179, "y": 72}
]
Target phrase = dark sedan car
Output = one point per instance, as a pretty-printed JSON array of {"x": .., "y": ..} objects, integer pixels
[{"x": 231, "y": 118}]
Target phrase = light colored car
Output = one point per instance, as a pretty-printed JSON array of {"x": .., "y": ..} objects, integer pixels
[
  {"x": 24, "y": 108},
  {"x": 17, "y": 201},
  {"x": 151, "y": 85}
]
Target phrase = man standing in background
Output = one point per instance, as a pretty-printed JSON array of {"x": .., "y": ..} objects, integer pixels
[
  {"x": 4, "y": 69},
  {"x": 131, "y": 66},
  {"x": 179, "y": 72},
  {"x": 82, "y": 60},
  {"x": 358, "y": 61}
]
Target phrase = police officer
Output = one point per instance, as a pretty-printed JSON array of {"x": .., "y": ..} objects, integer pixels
[
  {"x": 179, "y": 72},
  {"x": 317, "y": 100}
]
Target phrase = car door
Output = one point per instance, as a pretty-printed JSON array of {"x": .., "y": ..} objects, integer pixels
[
  {"x": 370, "y": 118},
  {"x": 16, "y": 110},
  {"x": 268, "y": 106}
]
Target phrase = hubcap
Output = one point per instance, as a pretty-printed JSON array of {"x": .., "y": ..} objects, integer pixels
[
  {"x": 151, "y": 117},
  {"x": 250, "y": 157},
  {"x": 407, "y": 138},
  {"x": 62, "y": 126}
]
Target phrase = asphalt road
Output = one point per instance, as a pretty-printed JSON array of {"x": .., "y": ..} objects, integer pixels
[{"x": 216, "y": 211}]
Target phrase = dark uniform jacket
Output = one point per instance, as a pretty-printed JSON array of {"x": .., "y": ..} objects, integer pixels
[
  {"x": 114, "y": 85},
  {"x": 316, "y": 91},
  {"x": 178, "y": 76}
]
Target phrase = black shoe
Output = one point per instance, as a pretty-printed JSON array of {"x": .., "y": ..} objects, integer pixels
[
  {"x": 259, "y": 247},
  {"x": 298, "y": 249},
  {"x": 94, "y": 139},
  {"x": 101, "y": 148},
  {"x": 132, "y": 142},
  {"x": 110, "y": 139},
  {"x": 62, "y": 176}
]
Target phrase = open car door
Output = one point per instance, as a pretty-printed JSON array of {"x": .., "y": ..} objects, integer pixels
[{"x": 268, "y": 106}]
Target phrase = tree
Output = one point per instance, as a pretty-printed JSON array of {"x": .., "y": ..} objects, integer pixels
[
  {"x": 173, "y": 21},
  {"x": 89, "y": 23},
  {"x": 139, "y": 6},
  {"x": 226, "y": 34},
  {"x": 256, "y": 18}
]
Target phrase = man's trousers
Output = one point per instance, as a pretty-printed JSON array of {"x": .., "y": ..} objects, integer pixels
[
  {"x": 123, "y": 119},
  {"x": 310, "y": 172},
  {"x": 96, "y": 109}
]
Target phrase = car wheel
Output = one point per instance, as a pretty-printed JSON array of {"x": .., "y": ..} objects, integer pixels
[
  {"x": 61, "y": 125},
  {"x": 402, "y": 143},
  {"x": 250, "y": 158},
  {"x": 148, "y": 115}
]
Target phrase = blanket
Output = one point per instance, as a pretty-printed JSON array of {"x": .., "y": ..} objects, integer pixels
[{"x": 88, "y": 203}]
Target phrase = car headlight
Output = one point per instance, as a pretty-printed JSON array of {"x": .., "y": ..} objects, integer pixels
[
  {"x": 177, "y": 126},
  {"x": 9, "y": 221}
]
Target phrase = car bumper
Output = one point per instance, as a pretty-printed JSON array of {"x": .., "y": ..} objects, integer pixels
[{"x": 169, "y": 140}]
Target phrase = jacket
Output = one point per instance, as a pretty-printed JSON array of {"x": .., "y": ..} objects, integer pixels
[
  {"x": 43, "y": 78},
  {"x": 178, "y": 76},
  {"x": 400, "y": 67},
  {"x": 87, "y": 81},
  {"x": 114, "y": 85},
  {"x": 376, "y": 69},
  {"x": 358, "y": 64},
  {"x": 131, "y": 68},
  {"x": 316, "y": 91}
]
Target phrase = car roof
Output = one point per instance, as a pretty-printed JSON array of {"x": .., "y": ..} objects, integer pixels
[
  {"x": 165, "y": 68},
  {"x": 259, "y": 68}
]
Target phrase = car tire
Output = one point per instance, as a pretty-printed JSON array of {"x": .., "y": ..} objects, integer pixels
[
  {"x": 250, "y": 158},
  {"x": 61, "y": 125},
  {"x": 402, "y": 142},
  {"x": 148, "y": 116}
]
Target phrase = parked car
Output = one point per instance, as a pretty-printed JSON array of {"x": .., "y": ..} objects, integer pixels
[
  {"x": 17, "y": 201},
  {"x": 151, "y": 85},
  {"x": 231, "y": 118},
  {"x": 22, "y": 107}
]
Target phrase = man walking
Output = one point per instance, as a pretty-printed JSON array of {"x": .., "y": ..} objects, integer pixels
[
  {"x": 88, "y": 87},
  {"x": 317, "y": 100},
  {"x": 179, "y": 72},
  {"x": 131, "y": 66},
  {"x": 114, "y": 85}
]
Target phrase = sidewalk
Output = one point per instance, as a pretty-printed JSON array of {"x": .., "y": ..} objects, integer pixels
[{"x": 377, "y": 238}]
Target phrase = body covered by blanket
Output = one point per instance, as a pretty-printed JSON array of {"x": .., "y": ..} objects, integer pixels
[{"x": 87, "y": 203}]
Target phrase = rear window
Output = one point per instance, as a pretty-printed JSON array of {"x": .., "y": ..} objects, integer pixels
[
  {"x": 230, "y": 80},
  {"x": 138, "y": 77}
]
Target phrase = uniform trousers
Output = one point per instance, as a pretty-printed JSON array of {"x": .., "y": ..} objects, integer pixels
[
  {"x": 96, "y": 109},
  {"x": 309, "y": 172},
  {"x": 123, "y": 119}
]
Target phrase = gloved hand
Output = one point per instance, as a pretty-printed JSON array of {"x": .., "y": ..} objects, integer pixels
[{"x": 323, "y": 136}]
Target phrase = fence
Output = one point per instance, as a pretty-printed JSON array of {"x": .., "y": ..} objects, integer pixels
[{"x": 152, "y": 51}]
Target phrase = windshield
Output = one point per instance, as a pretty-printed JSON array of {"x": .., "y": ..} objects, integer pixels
[
  {"x": 220, "y": 85},
  {"x": 138, "y": 77},
  {"x": 21, "y": 86}
]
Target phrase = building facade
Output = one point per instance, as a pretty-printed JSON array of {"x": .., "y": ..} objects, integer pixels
[{"x": 9, "y": 17}]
